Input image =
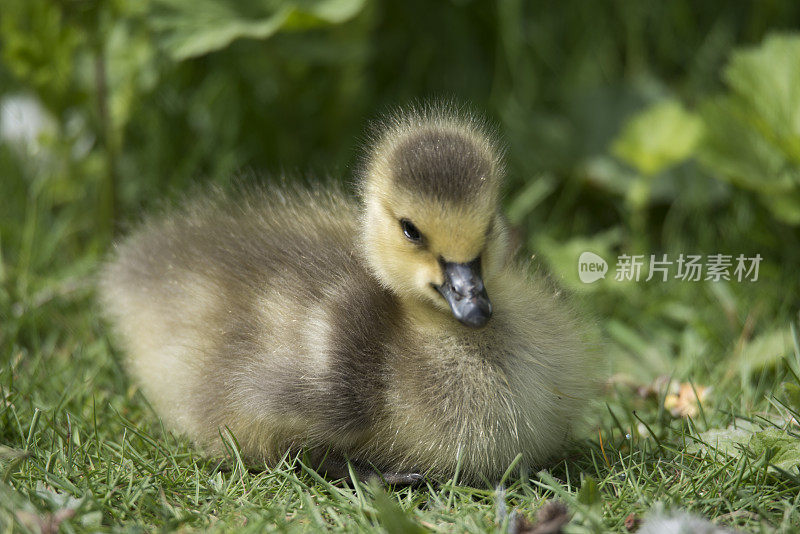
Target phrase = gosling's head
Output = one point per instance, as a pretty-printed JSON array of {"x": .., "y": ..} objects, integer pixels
[{"x": 432, "y": 232}]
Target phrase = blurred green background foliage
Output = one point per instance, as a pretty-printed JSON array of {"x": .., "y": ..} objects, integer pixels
[{"x": 631, "y": 127}]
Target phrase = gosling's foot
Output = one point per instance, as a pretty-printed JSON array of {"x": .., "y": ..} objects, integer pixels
[
  {"x": 391, "y": 478},
  {"x": 333, "y": 466}
]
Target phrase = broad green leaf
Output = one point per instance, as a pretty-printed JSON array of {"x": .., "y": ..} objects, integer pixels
[
  {"x": 192, "y": 28},
  {"x": 736, "y": 150},
  {"x": 726, "y": 440},
  {"x": 563, "y": 257},
  {"x": 753, "y": 132},
  {"x": 661, "y": 136},
  {"x": 767, "y": 80},
  {"x": 781, "y": 448},
  {"x": 784, "y": 448}
]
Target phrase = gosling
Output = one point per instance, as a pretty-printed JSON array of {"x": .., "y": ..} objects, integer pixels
[{"x": 397, "y": 333}]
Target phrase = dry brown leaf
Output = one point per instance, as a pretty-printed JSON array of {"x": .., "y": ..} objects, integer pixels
[
  {"x": 632, "y": 523},
  {"x": 685, "y": 402},
  {"x": 46, "y": 524},
  {"x": 549, "y": 520}
]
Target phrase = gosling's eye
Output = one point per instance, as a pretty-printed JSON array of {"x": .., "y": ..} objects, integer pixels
[{"x": 410, "y": 231}]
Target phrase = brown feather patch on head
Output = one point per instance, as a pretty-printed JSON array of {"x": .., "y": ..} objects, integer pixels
[
  {"x": 437, "y": 152},
  {"x": 441, "y": 163}
]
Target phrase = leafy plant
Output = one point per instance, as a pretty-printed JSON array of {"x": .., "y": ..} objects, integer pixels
[
  {"x": 753, "y": 131},
  {"x": 190, "y": 28}
]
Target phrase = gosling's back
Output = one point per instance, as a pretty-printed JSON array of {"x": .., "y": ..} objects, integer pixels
[{"x": 227, "y": 306}]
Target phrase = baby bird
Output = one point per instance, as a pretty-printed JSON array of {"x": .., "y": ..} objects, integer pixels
[{"x": 397, "y": 332}]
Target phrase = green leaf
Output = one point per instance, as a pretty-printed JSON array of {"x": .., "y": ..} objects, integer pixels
[
  {"x": 753, "y": 132},
  {"x": 659, "y": 137},
  {"x": 392, "y": 517},
  {"x": 729, "y": 441},
  {"x": 589, "y": 493},
  {"x": 766, "y": 80},
  {"x": 783, "y": 449},
  {"x": 190, "y": 28},
  {"x": 562, "y": 258}
]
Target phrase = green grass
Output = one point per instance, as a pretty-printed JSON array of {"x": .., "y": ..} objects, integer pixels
[
  {"x": 81, "y": 449},
  {"x": 77, "y": 436}
]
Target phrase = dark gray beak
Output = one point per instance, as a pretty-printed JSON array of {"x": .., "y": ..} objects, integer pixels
[{"x": 464, "y": 292}]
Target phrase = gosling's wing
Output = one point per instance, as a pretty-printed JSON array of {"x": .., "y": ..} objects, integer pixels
[{"x": 197, "y": 294}]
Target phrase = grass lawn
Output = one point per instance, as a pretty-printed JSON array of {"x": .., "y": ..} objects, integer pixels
[
  {"x": 82, "y": 449},
  {"x": 631, "y": 129}
]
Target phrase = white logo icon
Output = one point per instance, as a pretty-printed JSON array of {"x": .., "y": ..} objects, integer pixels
[{"x": 591, "y": 267}]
